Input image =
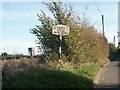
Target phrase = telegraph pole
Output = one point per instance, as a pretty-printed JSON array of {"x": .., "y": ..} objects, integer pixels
[
  {"x": 114, "y": 40},
  {"x": 103, "y": 25}
]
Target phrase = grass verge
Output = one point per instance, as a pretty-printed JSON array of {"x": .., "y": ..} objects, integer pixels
[
  {"x": 61, "y": 76},
  {"x": 47, "y": 79}
]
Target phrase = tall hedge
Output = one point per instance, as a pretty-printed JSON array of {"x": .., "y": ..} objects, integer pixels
[{"x": 83, "y": 44}]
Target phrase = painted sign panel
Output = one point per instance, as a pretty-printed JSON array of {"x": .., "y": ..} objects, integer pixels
[{"x": 60, "y": 30}]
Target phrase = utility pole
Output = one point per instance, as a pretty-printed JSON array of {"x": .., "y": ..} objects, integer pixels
[
  {"x": 4, "y": 54},
  {"x": 119, "y": 26},
  {"x": 114, "y": 40},
  {"x": 103, "y": 25}
]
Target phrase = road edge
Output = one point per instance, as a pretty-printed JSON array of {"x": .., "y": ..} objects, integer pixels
[{"x": 97, "y": 80}]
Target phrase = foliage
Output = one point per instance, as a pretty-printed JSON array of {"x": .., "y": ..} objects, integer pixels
[
  {"x": 47, "y": 78},
  {"x": 83, "y": 51},
  {"x": 83, "y": 44},
  {"x": 48, "y": 75},
  {"x": 113, "y": 54}
]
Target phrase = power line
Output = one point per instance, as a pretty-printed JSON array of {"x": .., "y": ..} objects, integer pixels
[
  {"x": 102, "y": 17},
  {"x": 97, "y": 7}
]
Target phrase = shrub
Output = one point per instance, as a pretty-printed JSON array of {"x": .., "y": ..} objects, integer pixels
[
  {"x": 83, "y": 44},
  {"x": 113, "y": 53}
]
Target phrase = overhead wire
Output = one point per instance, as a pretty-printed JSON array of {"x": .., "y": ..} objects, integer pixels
[
  {"x": 100, "y": 15},
  {"x": 97, "y": 8}
]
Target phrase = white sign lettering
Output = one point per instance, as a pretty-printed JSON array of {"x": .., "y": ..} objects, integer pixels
[{"x": 60, "y": 30}]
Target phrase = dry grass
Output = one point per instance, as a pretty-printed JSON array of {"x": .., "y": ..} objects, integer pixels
[
  {"x": 19, "y": 65},
  {"x": 14, "y": 66},
  {"x": 33, "y": 69},
  {"x": 11, "y": 67}
]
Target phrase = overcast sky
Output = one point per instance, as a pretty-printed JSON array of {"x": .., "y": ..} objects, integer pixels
[{"x": 16, "y": 18}]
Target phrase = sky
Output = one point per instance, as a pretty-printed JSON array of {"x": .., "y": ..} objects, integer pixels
[{"x": 17, "y": 18}]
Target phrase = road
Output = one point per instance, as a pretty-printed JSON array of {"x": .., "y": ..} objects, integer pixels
[
  {"x": 0, "y": 77},
  {"x": 111, "y": 77}
]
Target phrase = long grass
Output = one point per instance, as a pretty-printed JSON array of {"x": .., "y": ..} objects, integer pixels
[
  {"x": 47, "y": 79},
  {"x": 48, "y": 75}
]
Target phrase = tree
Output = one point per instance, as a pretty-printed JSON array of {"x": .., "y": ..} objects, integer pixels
[
  {"x": 83, "y": 44},
  {"x": 113, "y": 54},
  {"x": 48, "y": 41}
]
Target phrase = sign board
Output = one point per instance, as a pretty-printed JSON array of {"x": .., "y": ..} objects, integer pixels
[{"x": 60, "y": 30}]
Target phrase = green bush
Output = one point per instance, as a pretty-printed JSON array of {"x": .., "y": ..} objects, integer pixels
[
  {"x": 83, "y": 44},
  {"x": 113, "y": 53}
]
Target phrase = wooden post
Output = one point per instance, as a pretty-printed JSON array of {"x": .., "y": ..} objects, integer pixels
[{"x": 103, "y": 25}]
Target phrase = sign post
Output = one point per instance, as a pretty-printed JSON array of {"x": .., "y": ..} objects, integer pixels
[
  {"x": 60, "y": 48},
  {"x": 60, "y": 30}
]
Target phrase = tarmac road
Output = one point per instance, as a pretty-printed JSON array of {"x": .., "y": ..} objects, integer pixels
[
  {"x": 111, "y": 76},
  {"x": 0, "y": 77}
]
